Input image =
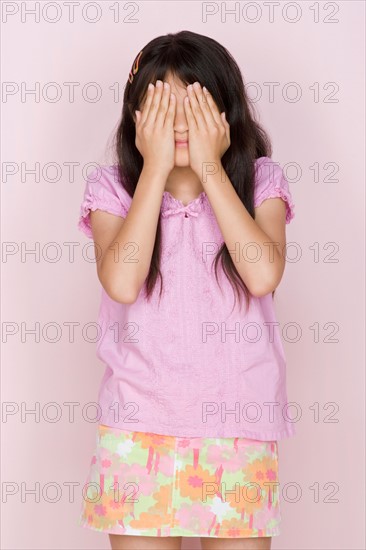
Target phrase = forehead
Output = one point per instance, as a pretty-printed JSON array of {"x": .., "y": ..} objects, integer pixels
[
  {"x": 175, "y": 82},
  {"x": 177, "y": 86}
]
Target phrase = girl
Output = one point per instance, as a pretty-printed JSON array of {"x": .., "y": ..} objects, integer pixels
[{"x": 189, "y": 252}]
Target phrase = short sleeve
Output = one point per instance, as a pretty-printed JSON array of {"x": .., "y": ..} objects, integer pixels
[
  {"x": 102, "y": 191},
  {"x": 270, "y": 183}
]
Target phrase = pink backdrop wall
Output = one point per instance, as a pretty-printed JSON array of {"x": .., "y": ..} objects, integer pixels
[{"x": 49, "y": 278}]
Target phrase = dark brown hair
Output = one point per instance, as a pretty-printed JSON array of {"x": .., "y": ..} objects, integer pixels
[{"x": 193, "y": 57}]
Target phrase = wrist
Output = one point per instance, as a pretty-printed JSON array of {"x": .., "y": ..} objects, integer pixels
[
  {"x": 207, "y": 169},
  {"x": 155, "y": 172}
]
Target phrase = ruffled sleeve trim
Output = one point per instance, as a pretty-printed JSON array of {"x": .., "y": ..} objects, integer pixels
[
  {"x": 92, "y": 203},
  {"x": 279, "y": 188},
  {"x": 100, "y": 195},
  {"x": 283, "y": 194}
]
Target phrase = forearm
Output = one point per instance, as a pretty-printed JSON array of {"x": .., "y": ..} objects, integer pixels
[
  {"x": 258, "y": 260},
  {"x": 126, "y": 263}
]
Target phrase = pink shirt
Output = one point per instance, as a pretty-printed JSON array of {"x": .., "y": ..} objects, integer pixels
[{"x": 186, "y": 366}]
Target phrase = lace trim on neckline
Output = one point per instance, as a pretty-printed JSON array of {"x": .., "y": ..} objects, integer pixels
[
  {"x": 169, "y": 199},
  {"x": 171, "y": 205}
]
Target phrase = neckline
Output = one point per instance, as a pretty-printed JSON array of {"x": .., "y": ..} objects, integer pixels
[{"x": 170, "y": 197}]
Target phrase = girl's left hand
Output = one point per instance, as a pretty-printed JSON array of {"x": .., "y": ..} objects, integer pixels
[{"x": 208, "y": 130}]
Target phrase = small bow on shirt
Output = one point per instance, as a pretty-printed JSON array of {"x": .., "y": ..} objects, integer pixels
[{"x": 190, "y": 209}]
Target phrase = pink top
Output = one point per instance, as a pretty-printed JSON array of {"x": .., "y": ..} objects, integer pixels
[{"x": 186, "y": 366}]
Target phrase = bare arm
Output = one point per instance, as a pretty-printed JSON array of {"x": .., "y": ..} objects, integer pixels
[
  {"x": 262, "y": 265},
  {"x": 124, "y": 246},
  {"x": 256, "y": 246}
]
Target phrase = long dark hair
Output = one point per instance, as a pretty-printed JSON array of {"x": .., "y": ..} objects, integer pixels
[{"x": 193, "y": 57}]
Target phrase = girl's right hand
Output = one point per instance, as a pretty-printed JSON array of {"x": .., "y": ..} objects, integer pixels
[{"x": 154, "y": 128}]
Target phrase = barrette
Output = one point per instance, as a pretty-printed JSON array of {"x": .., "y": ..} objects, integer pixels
[{"x": 135, "y": 68}]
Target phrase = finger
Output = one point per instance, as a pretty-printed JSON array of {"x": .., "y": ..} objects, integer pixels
[
  {"x": 155, "y": 103},
  {"x": 205, "y": 107},
  {"x": 164, "y": 104},
  {"x": 149, "y": 98},
  {"x": 195, "y": 106},
  {"x": 212, "y": 106},
  {"x": 224, "y": 121},
  {"x": 189, "y": 114},
  {"x": 170, "y": 116},
  {"x": 227, "y": 126}
]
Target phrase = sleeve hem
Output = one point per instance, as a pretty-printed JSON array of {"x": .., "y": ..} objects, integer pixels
[
  {"x": 279, "y": 192},
  {"x": 93, "y": 203}
]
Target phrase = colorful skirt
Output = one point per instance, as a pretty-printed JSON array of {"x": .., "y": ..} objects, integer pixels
[{"x": 155, "y": 485}]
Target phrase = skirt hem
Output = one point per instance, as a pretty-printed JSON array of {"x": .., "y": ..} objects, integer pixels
[{"x": 180, "y": 533}]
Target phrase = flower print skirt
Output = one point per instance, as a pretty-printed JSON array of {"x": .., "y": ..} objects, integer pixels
[{"x": 148, "y": 484}]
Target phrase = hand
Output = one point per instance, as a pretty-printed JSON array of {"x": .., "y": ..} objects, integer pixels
[
  {"x": 155, "y": 128},
  {"x": 208, "y": 130}
]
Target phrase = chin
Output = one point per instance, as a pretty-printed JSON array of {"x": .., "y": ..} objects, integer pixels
[
  {"x": 182, "y": 160},
  {"x": 182, "y": 164}
]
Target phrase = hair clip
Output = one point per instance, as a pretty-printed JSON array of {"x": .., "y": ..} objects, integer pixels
[{"x": 135, "y": 68}]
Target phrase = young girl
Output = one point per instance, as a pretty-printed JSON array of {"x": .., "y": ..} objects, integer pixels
[{"x": 189, "y": 252}]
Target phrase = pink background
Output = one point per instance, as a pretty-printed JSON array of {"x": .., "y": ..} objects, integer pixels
[{"x": 325, "y": 459}]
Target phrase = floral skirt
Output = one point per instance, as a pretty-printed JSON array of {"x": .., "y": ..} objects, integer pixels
[{"x": 148, "y": 484}]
